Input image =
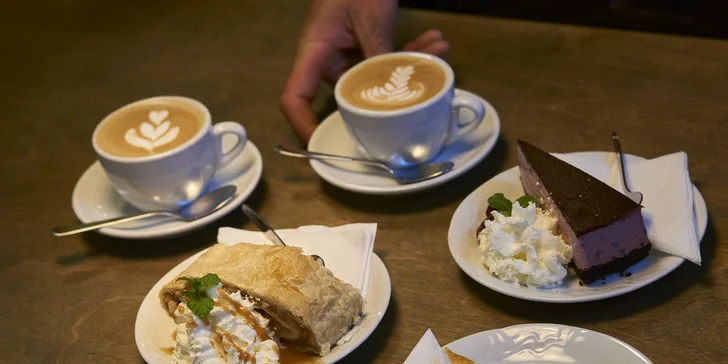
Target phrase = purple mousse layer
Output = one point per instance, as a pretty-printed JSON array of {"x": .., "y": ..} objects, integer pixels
[
  {"x": 615, "y": 240},
  {"x": 601, "y": 247}
]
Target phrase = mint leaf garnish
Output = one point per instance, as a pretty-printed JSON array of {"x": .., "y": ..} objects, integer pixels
[
  {"x": 208, "y": 281},
  {"x": 198, "y": 302},
  {"x": 500, "y": 203},
  {"x": 202, "y": 307},
  {"x": 525, "y": 200}
]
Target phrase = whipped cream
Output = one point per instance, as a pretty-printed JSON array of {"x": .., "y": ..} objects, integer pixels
[
  {"x": 525, "y": 248},
  {"x": 232, "y": 333}
]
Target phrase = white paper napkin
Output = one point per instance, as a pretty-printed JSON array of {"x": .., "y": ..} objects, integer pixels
[
  {"x": 347, "y": 250},
  {"x": 427, "y": 351},
  {"x": 668, "y": 197}
]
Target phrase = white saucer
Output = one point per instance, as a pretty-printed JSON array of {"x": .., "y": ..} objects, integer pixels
[
  {"x": 464, "y": 247},
  {"x": 153, "y": 328},
  {"x": 94, "y": 198},
  {"x": 546, "y": 343},
  {"x": 333, "y": 138}
]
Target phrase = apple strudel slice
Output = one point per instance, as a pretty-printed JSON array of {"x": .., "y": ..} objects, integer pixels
[{"x": 310, "y": 309}]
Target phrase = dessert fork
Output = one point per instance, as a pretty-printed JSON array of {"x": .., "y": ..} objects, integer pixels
[
  {"x": 268, "y": 231},
  {"x": 633, "y": 195}
]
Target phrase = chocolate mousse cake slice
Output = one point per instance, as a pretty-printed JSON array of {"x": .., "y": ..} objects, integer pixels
[{"x": 605, "y": 228}]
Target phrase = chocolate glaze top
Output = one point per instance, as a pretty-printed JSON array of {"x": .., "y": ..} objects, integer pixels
[{"x": 585, "y": 202}]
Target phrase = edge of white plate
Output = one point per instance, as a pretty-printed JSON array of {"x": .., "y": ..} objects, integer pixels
[
  {"x": 629, "y": 347},
  {"x": 240, "y": 197},
  {"x": 698, "y": 202},
  {"x": 492, "y": 139},
  {"x": 379, "y": 314}
]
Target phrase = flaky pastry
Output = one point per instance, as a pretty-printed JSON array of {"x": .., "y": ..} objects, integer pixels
[{"x": 309, "y": 308}]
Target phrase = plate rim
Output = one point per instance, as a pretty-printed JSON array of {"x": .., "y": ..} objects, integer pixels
[
  {"x": 487, "y": 147},
  {"x": 698, "y": 202},
  {"x": 256, "y": 172},
  {"x": 378, "y": 312},
  {"x": 638, "y": 353}
]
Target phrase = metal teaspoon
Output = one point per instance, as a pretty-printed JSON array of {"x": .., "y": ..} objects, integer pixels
[
  {"x": 203, "y": 206},
  {"x": 412, "y": 174}
]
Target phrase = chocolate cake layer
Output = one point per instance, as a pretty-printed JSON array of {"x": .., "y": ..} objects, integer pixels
[{"x": 586, "y": 202}]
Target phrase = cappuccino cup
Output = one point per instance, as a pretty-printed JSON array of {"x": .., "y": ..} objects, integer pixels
[
  {"x": 160, "y": 153},
  {"x": 401, "y": 108}
]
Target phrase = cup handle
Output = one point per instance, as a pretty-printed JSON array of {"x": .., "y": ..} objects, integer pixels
[
  {"x": 229, "y": 127},
  {"x": 457, "y": 128}
]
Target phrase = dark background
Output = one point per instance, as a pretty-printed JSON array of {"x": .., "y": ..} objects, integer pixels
[{"x": 702, "y": 18}]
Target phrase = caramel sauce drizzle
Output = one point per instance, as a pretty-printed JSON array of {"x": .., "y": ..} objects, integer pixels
[
  {"x": 286, "y": 355},
  {"x": 293, "y": 356},
  {"x": 227, "y": 339},
  {"x": 245, "y": 313}
]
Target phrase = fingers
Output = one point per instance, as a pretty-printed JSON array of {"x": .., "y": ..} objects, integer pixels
[
  {"x": 340, "y": 64},
  {"x": 301, "y": 88},
  {"x": 426, "y": 38},
  {"x": 432, "y": 42},
  {"x": 373, "y": 23},
  {"x": 440, "y": 48}
]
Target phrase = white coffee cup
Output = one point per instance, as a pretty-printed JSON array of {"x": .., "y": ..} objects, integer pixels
[
  {"x": 412, "y": 135},
  {"x": 174, "y": 178}
]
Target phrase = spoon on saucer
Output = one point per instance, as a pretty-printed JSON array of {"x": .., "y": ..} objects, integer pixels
[
  {"x": 201, "y": 207},
  {"x": 633, "y": 195},
  {"x": 268, "y": 231},
  {"x": 412, "y": 174}
]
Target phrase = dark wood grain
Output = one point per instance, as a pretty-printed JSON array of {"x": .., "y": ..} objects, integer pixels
[
  {"x": 66, "y": 64},
  {"x": 701, "y": 18}
]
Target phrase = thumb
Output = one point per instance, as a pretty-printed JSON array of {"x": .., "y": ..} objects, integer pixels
[{"x": 373, "y": 24}]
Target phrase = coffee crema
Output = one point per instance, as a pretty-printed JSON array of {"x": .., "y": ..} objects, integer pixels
[
  {"x": 392, "y": 83},
  {"x": 147, "y": 129}
]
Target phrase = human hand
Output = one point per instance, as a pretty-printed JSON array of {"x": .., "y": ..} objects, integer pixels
[{"x": 337, "y": 35}]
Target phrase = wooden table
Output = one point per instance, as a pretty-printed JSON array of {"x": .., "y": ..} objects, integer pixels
[{"x": 66, "y": 65}]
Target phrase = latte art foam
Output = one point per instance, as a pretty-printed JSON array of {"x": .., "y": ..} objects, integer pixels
[
  {"x": 145, "y": 129},
  {"x": 153, "y": 135},
  {"x": 397, "y": 90},
  {"x": 392, "y": 82}
]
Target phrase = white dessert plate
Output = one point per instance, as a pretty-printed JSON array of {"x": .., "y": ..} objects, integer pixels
[
  {"x": 94, "y": 198},
  {"x": 333, "y": 138},
  {"x": 546, "y": 343},
  {"x": 464, "y": 247},
  {"x": 153, "y": 328}
]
